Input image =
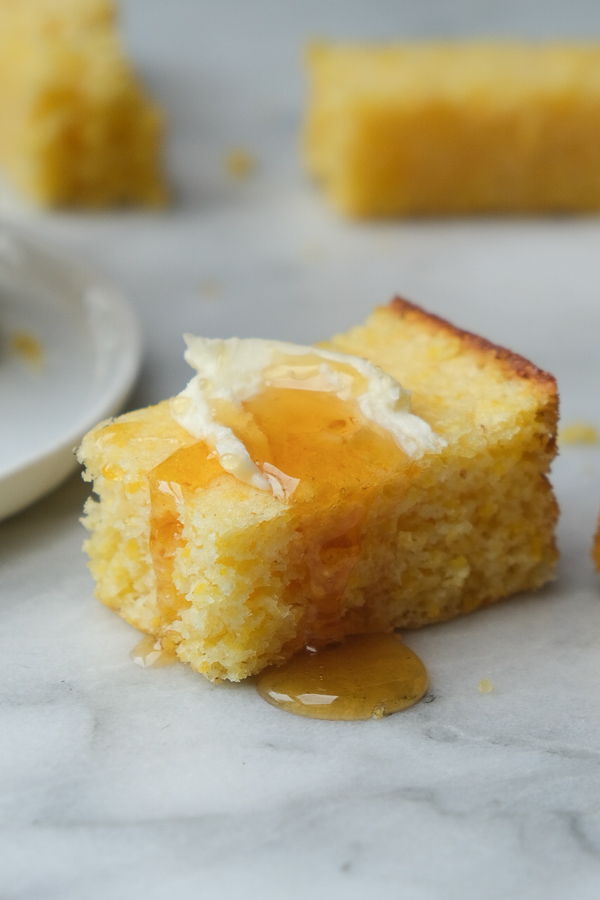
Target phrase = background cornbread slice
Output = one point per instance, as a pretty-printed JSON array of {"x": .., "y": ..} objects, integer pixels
[
  {"x": 455, "y": 128},
  {"x": 234, "y": 579},
  {"x": 76, "y": 128}
]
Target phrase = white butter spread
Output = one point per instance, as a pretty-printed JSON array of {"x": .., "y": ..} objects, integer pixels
[{"x": 236, "y": 369}]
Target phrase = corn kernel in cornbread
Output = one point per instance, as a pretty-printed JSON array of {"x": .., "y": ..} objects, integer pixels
[
  {"x": 76, "y": 128},
  {"x": 455, "y": 128},
  {"x": 232, "y": 578}
]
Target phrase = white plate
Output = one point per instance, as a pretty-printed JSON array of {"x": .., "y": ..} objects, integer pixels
[{"x": 90, "y": 355}]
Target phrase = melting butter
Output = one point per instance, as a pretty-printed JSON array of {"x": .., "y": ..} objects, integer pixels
[{"x": 232, "y": 371}]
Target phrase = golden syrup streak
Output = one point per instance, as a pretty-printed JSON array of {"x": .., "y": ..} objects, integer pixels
[
  {"x": 336, "y": 456},
  {"x": 339, "y": 460},
  {"x": 187, "y": 468},
  {"x": 366, "y": 677}
]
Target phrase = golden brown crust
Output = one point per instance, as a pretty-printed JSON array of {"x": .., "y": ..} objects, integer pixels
[{"x": 516, "y": 365}]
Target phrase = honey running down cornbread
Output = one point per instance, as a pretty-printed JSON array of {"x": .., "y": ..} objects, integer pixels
[
  {"x": 439, "y": 128},
  {"x": 233, "y": 578},
  {"x": 76, "y": 127}
]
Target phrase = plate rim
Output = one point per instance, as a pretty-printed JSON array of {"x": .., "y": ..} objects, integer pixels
[{"x": 23, "y": 482}]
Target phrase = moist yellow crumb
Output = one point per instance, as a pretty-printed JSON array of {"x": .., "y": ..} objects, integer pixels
[
  {"x": 76, "y": 126},
  {"x": 578, "y": 433},
  {"x": 485, "y": 686},
  {"x": 440, "y": 128},
  {"x": 233, "y": 579}
]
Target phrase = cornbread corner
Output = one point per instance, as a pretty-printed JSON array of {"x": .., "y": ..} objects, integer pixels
[
  {"x": 234, "y": 579},
  {"x": 441, "y": 128},
  {"x": 76, "y": 127}
]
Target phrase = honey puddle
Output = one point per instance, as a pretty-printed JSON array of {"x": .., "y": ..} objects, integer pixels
[
  {"x": 149, "y": 653},
  {"x": 366, "y": 677}
]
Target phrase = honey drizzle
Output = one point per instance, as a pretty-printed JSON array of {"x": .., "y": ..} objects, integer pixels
[
  {"x": 170, "y": 483},
  {"x": 366, "y": 677},
  {"x": 165, "y": 538},
  {"x": 337, "y": 458}
]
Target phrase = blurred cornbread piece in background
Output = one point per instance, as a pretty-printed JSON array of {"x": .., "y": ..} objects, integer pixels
[
  {"x": 455, "y": 128},
  {"x": 233, "y": 579},
  {"x": 76, "y": 128}
]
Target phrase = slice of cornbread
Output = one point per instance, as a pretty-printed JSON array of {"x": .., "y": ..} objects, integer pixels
[
  {"x": 76, "y": 128},
  {"x": 455, "y": 128},
  {"x": 234, "y": 579}
]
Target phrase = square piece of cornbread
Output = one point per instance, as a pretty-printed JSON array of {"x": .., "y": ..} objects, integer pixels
[
  {"x": 439, "y": 128},
  {"x": 76, "y": 127},
  {"x": 233, "y": 578}
]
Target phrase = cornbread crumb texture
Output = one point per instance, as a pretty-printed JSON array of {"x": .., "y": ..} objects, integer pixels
[
  {"x": 76, "y": 127},
  {"x": 232, "y": 579},
  {"x": 448, "y": 128}
]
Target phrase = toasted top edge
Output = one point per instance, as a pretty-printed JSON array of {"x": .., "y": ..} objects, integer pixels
[{"x": 514, "y": 364}]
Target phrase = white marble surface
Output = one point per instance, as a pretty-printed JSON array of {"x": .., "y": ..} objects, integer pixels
[{"x": 125, "y": 783}]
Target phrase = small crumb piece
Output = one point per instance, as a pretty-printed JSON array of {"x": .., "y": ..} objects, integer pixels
[
  {"x": 578, "y": 433},
  {"x": 28, "y": 348},
  {"x": 485, "y": 686},
  {"x": 239, "y": 163}
]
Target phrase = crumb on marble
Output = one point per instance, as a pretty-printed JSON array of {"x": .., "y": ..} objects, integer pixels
[
  {"x": 578, "y": 433},
  {"x": 239, "y": 163},
  {"x": 485, "y": 686},
  {"x": 28, "y": 348}
]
